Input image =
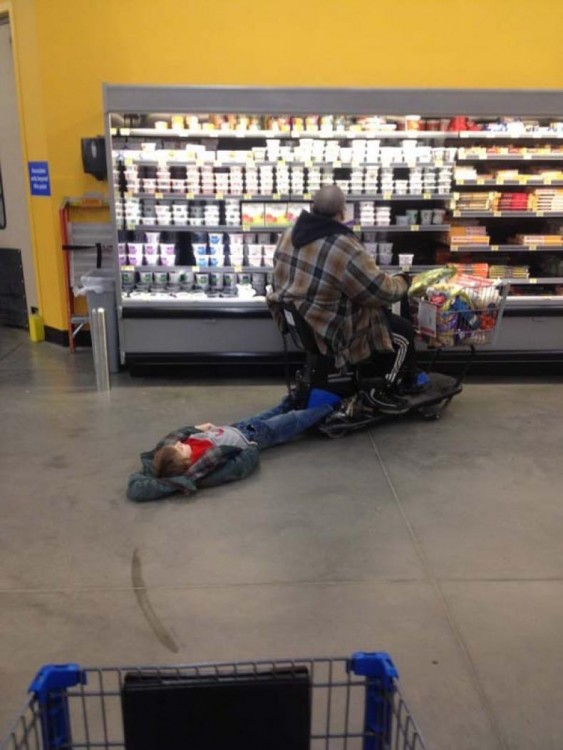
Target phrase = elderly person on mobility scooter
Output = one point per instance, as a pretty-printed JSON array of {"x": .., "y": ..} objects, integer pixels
[{"x": 322, "y": 268}]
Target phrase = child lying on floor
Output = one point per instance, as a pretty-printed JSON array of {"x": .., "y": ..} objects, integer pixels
[{"x": 206, "y": 455}]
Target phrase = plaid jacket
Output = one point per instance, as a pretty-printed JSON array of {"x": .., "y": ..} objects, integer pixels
[
  {"x": 337, "y": 287},
  {"x": 216, "y": 466}
]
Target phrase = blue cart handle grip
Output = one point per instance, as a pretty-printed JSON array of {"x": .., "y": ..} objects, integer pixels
[{"x": 56, "y": 677}]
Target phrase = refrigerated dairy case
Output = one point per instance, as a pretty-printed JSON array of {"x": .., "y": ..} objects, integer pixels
[{"x": 204, "y": 180}]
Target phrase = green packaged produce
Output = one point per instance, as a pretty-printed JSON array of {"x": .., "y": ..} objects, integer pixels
[{"x": 422, "y": 281}]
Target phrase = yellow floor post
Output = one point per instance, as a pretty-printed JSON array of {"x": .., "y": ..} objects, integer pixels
[{"x": 36, "y": 327}]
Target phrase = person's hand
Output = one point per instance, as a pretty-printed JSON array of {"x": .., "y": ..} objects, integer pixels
[
  {"x": 205, "y": 426},
  {"x": 406, "y": 276}
]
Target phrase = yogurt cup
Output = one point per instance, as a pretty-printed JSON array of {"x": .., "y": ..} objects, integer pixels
[
  {"x": 202, "y": 280},
  {"x": 160, "y": 277},
  {"x": 215, "y": 260},
  {"x": 167, "y": 253},
  {"x": 405, "y": 260},
  {"x": 216, "y": 279},
  {"x": 229, "y": 279},
  {"x": 176, "y": 277},
  {"x": 151, "y": 254},
  {"x": 127, "y": 276}
]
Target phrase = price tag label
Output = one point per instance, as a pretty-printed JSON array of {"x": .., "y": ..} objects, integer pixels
[
  {"x": 130, "y": 226},
  {"x": 454, "y": 248},
  {"x": 523, "y": 180},
  {"x": 480, "y": 181},
  {"x": 125, "y": 131},
  {"x": 547, "y": 181},
  {"x": 427, "y": 196},
  {"x": 219, "y": 196},
  {"x": 497, "y": 213},
  {"x": 532, "y": 247},
  {"x": 337, "y": 164},
  {"x": 113, "y": 131},
  {"x": 482, "y": 157},
  {"x": 356, "y": 228},
  {"x": 457, "y": 213},
  {"x": 308, "y": 164},
  {"x": 461, "y": 182},
  {"x": 500, "y": 181},
  {"x": 158, "y": 196},
  {"x": 412, "y": 164},
  {"x": 415, "y": 227},
  {"x": 456, "y": 196},
  {"x": 128, "y": 161},
  {"x": 238, "y": 268},
  {"x": 387, "y": 196},
  {"x": 247, "y": 196},
  {"x": 189, "y": 196},
  {"x": 281, "y": 163},
  {"x": 128, "y": 194},
  {"x": 494, "y": 248},
  {"x": 195, "y": 268},
  {"x": 307, "y": 196},
  {"x": 539, "y": 213},
  {"x": 276, "y": 197},
  {"x": 533, "y": 281},
  {"x": 528, "y": 157}
]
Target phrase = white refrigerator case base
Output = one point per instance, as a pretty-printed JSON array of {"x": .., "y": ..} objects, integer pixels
[{"x": 200, "y": 336}]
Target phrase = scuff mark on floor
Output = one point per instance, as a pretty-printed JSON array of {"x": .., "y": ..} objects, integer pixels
[{"x": 161, "y": 632}]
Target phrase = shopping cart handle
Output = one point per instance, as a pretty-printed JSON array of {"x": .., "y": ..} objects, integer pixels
[
  {"x": 56, "y": 677},
  {"x": 378, "y": 665}
]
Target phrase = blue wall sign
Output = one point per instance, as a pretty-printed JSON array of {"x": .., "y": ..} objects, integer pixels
[{"x": 39, "y": 178}]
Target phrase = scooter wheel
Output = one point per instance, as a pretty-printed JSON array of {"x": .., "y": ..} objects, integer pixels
[
  {"x": 336, "y": 433},
  {"x": 434, "y": 413}
]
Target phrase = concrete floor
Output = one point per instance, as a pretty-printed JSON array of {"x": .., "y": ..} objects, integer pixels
[{"x": 438, "y": 542}]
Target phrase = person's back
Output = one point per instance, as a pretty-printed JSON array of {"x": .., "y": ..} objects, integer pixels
[{"x": 322, "y": 268}]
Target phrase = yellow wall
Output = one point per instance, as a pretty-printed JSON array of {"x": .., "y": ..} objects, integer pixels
[{"x": 66, "y": 49}]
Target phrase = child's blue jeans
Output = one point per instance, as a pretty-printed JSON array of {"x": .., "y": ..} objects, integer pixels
[{"x": 281, "y": 424}]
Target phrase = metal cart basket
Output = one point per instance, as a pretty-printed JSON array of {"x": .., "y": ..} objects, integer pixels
[
  {"x": 462, "y": 311},
  {"x": 354, "y": 704}
]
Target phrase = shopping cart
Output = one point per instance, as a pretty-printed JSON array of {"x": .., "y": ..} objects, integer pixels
[
  {"x": 352, "y": 704},
  {"x": 462, "y": 311}
]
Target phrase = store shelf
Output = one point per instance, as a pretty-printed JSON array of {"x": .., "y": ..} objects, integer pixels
[
  {"x": 505, "y": 248},
  {"x": 532, "y": 300},
  {"x": 482, "y": 182},
  {"x": 189, "y": 300},
  {"x": 329, "y": 134},
  {"x": 507, "y": 214},
  {"x": 546, "y": 281},
  {"x": 282, "y": 227},
  {"x": 184, "y": 228},
  {"x": 494, "y": 135},
  {"x": 129, "y": 161},
  {"x": 400, "y": 228},
  {"x": 513, "y": 157},
  {"x": 301, "y": 197},
  {"x": 393, "y": 197}
]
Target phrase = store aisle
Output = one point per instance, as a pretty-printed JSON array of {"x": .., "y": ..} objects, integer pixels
[{"x": 439, "y": 542}]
